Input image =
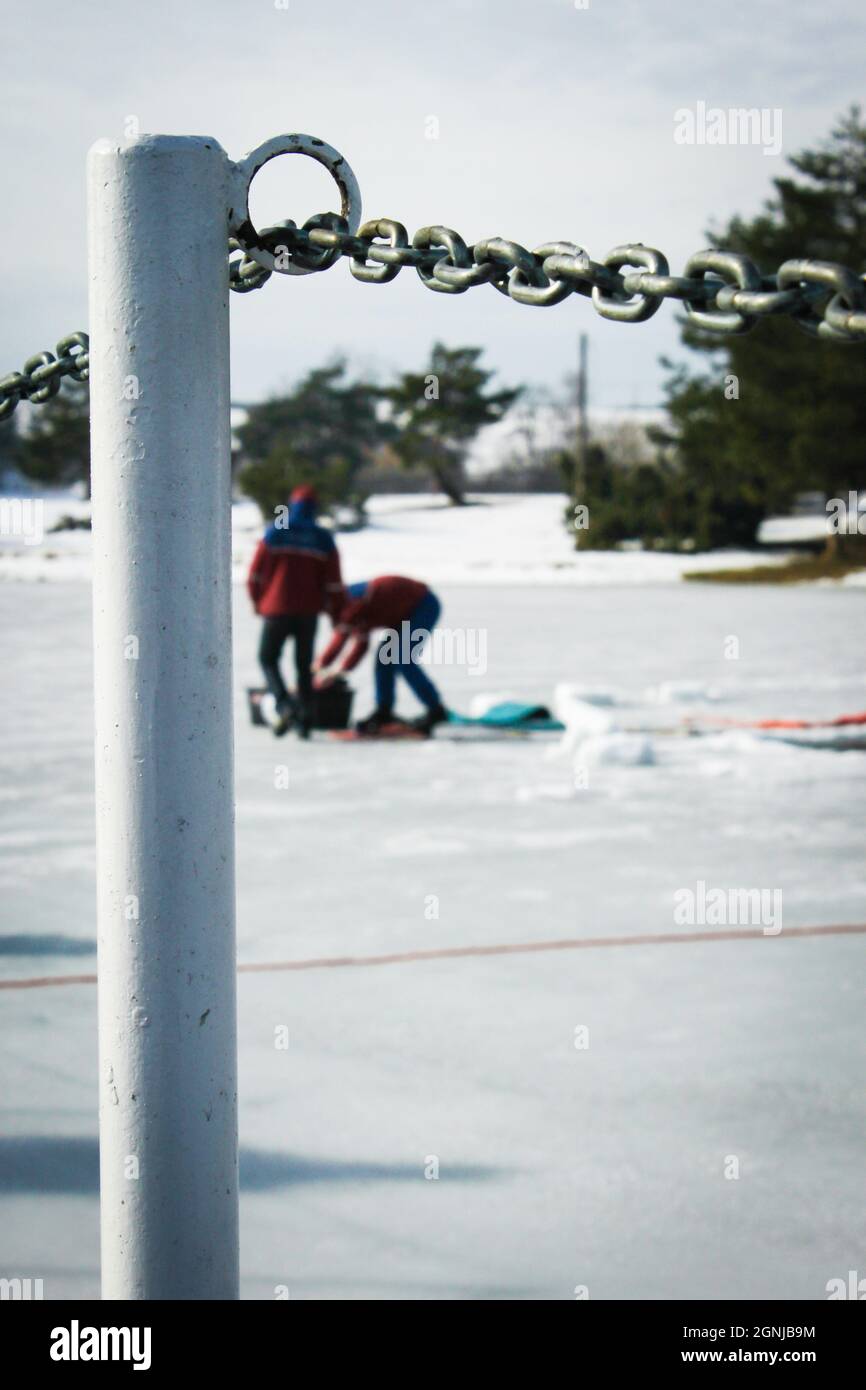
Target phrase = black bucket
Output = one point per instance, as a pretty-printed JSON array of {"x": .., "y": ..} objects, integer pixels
[{"x": 332, "y": 708}]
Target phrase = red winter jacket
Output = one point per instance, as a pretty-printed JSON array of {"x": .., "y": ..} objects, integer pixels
[
  {"x": 296, "y": 569},
  {"x": 384, "y": 602}
]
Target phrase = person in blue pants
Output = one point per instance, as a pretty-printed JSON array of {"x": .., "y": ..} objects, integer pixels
[
  {"x": 399, "y": 657},
  {"x": 408, "y": 611}
]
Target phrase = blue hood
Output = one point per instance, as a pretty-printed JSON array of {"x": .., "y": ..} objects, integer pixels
[{"x": 302, "y": 513}]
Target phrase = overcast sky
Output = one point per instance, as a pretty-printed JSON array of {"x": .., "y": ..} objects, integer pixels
[{"x": 554, "y": 123}]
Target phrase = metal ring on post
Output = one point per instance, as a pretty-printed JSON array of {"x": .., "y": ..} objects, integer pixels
[{"x": 241, "y": 226}]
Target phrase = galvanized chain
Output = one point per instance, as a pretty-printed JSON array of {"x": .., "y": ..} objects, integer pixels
[
  {"x": 722, "y": 292},
  {"x": 43, "y": 373}
]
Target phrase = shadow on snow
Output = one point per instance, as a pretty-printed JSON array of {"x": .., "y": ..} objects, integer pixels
[{"x": 70, "y": 1166}]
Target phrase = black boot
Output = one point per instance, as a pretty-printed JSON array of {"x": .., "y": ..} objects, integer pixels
[
  {"x": 382, "y": 714},
  {"x": 304, "y": 721},
  {"x": 284, "y": 720},
  {"x": 437, "y": 714}
]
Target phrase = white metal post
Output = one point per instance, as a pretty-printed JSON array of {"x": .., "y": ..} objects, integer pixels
[{"x": 159, "y": 353}]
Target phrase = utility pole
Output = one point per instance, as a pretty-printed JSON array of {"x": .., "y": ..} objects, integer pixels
[{"x": 580, "y": 470}]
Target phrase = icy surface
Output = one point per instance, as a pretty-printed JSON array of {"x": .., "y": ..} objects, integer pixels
[{"x": 558, "y": 1166}]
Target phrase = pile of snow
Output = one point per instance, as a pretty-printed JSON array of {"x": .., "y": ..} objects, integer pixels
[
  {"x": 592, "y": 738},
  {"x": 793, "y": 530},
  {"x": 580, "y": 715}
]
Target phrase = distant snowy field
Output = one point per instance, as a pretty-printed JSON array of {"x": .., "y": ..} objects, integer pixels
[
  {"x": 506, "y": 539},
  {"x": 558, "y": 1167},
  {"x": 499, "y": 540}
]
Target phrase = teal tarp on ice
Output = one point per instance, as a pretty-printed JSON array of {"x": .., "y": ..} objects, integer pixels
[{"x": 512, "y": 714}]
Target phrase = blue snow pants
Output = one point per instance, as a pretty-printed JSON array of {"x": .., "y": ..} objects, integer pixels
[{"x": 421, "y": 620}]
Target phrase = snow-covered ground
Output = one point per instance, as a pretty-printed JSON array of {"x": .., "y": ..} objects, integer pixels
[
  {"x": 559, "y": 1166},
  {"x": 507, "y": 539}
]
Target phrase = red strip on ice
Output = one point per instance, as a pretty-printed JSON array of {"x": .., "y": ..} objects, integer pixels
[
  {"x": 838, "y": 722},
  {"x": 581, "y": 943}
]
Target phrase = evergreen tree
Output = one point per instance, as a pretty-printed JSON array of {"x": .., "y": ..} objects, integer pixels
[
  {"x": 798, "y": 419},
  {"x": 55, "y": 448},
  {"x": 8, "y": 447},
  {"x": 322, "y": 432},
  {"x": 439, "y": 411}
]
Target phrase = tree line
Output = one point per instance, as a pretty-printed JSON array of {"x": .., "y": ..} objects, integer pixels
[
  {"x": 768, "y": 414},
  {"x": 750, "y": 421}
]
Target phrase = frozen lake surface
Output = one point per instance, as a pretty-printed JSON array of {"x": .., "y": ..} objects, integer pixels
[{"x": 559, "y": 1166}]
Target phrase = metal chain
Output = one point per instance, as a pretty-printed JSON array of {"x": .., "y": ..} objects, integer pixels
[
  {"x": 43, "y": 373},
  {"x": 722, "y": 292}
]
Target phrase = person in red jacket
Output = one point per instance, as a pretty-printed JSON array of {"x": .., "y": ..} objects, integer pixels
[
  {"x": 294, "y": 576},
  {"x": 409, "y": 611}
]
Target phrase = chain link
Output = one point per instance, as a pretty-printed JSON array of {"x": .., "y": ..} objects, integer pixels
[
  {"x": 43, "y": 373},
  {"x": 723, "y": 293}
]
